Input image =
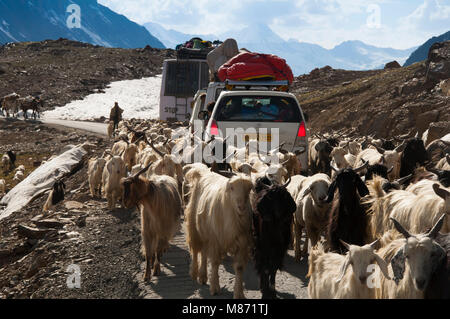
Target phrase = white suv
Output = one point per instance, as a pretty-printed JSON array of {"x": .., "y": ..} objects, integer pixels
[{"x": 271, "y": 117}]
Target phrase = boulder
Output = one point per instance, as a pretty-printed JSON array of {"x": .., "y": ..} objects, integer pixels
[
  {"x": 414, "y": 85},
  {"x": 392, "y": 65},
  {"x": 424, "y": 120},
  {"x": 438, "y": 62}
]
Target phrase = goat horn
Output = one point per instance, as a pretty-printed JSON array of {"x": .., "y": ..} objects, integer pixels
[
  {"x": 417, "y": 135},
  {"x": 366, "y": 163},
  {"x": 437, "y": 227},
  {"x": 299, "y": 152},
  {"x": 287, "y": 183},
  {"x": 401, "y": 147},
  {"x": 374, "y": 244},
  {"x": 404, "y": 179},
  {"x": 229, "y": 156},
  {"x": 390, "y": 170},
  {"x": 345, "y": 244},
  {"x": 153, "y": 146},
  {"x": 259, "y": 156},
  {"x": 142, "y": 171},
  {"x": 285, "y": 162},
  {"x": 140, "y": 138},
  {"x": 167, "y": 141},
  {"x": 334, "y": 168},
  {"x": 400, "y": 228}
]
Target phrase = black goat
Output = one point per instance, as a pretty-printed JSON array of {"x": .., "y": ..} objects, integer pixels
[
  {"x": 439, "y": 285},
  {"x": 58, "y": 192},
  {"x": 412, "y": 156},
  {"x": 322, "y": 161},
  {"x": 377, "y": 169},
  {"x": 347, "y": 219},
  {"x": 273, "y": 209},
  {"x": 56, "y": 195},
  {"x": 12, "y": 157},
  {"x": 388, "y": 145}
]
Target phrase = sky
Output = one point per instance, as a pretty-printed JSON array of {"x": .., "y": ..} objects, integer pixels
[{"x": 398, "y": 24}]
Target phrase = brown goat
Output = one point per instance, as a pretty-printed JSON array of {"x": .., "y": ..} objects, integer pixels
[{"x": 160, "y": 205}]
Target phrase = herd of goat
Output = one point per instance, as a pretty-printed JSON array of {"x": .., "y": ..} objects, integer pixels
[
  {"x": 367, "y": 205},
  {"x": 13, "y": 104}
]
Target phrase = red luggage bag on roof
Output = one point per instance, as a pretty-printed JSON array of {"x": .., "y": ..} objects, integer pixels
[{"x": 252, "y": 65}]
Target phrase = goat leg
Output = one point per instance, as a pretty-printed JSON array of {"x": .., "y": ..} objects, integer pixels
[
  {"x": 157, "y": 265},
  {"x": 238, "y": 286},
  {"x": 214, "y": 288},
  {"x": 203, "y": 275}
]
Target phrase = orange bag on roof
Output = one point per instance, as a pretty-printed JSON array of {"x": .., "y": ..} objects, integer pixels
[{"x": 252, "y": 65}]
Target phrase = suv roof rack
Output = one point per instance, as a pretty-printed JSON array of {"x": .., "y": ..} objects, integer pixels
[
  {"x": 247, "y": 85},
  {"x": 256, "y": 83}
]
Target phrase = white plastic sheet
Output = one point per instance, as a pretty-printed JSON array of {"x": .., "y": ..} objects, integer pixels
[{"x": 41, "y": 180}]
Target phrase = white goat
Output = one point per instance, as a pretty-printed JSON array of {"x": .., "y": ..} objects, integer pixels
[
  {"x": 331, "y": 278},
  {"x": 218, "y": 221},
  {"x": 95, "y": 171},
  {"x": 112, "y": 173},
  {"x": 413, "y": 261},
  {"x": 311, "y": 213}
]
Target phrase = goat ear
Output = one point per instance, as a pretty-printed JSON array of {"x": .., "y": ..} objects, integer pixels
[
  {"x": 383, "y": 266},
  {"x": 343, "y": 268},
  {"x": 398, "y": 265},
  {"x": 362, "y": 188},
  {"x": 331, "y": 191},
  {"x": 436, "y": 228},
  {"x": 306, "y": 192},
  {"x": 440, "y": 191},
  {"x": 347, "y": 246}
]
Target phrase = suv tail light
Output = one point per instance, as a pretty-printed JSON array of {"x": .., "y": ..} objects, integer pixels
[
  {"x": 214, "y": 128},
  {"x": 301, "y": 130}
]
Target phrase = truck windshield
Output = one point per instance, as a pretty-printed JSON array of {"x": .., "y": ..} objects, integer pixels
[{"x": 258, "y": 109}]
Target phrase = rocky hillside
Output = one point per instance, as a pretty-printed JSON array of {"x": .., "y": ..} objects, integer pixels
[
  {"x": 385, "y": 103},
  {"x": 63, "y": 70},
  {"x": 38, "y": 20},
  {"x": 422, "y": 52}
]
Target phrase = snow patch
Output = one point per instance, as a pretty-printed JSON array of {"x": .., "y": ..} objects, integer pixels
[{"x": 138, "y": 98}]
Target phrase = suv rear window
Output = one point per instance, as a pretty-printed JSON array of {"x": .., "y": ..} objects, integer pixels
[{"x": 258, "y": 109}]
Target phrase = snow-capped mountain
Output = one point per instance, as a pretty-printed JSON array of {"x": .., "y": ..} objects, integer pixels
[
  {"x": 301, "y": 56},
  {"x": 37, "y": 20},
  {"x": 172, "y": 37}
]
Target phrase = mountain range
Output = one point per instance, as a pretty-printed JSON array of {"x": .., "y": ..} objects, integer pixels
[
  {"x": 422, "y": 52},
  {"x": 301, "y": 56},
  {"x": 37, "y": 20}
]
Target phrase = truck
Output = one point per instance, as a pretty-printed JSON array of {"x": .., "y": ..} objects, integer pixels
[{"x": 182, "y": 78}]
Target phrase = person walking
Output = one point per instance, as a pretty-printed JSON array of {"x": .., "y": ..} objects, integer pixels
[{"x": 115, "y": 116}]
